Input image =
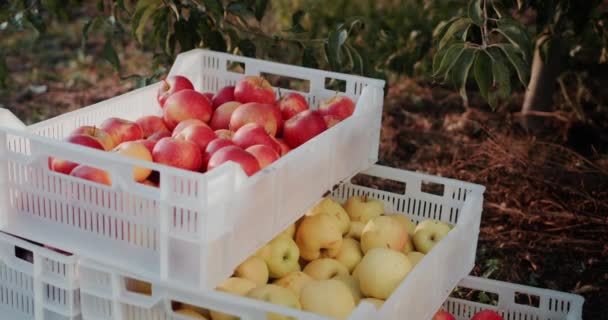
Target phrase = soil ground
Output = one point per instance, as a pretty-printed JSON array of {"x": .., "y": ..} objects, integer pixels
[{"x": 545, "y": 219}]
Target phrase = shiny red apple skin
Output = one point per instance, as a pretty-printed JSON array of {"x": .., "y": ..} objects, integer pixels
[
  {"x": 221, "y": 116},
  {"x": 103, "y": 137},
  {"x": 159, "y": 135},
  {"x": 487, "y": 315},
  {"x": 178, "y": 153},
  {"x": 151, "y": 125},
  {"x": 224, "y": 95},
  {"x": 443, "y": 315},
  {"x": 303, "y": 127},
  {"x": 292, "y": 104},
  {"x": 224, "y": 133},
  {"x": 64, "y": 166},
  {"x": 122, "y": 130},
  {"x": 340, "y": 106},
  {"x": 170, "y": 86},
  {"x": 331, "y": 120},
  {"x": 184, "y": 105},
  {"x": 266, "y": 115},
  {"x": 199, "y": 134},
  {"x": 264, "y": 154},
  {"x": 246, "y": 160},
  {"x": 184, "y": 124},
  {"x": 254, "y": 89},
  {"x": 92, "y": 174},
  {"x": 214, "y": 146},
  {"x": 252, "y": 134}
]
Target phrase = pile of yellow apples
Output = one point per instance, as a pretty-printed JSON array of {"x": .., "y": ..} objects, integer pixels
[{"x": 330, "y": 260}]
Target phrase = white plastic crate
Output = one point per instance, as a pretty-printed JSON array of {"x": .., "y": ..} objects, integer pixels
[
  {"x": 197, "y": 227},
  {"x": 545, "y": 305},
  {"x": 37, "y": 283},
  {"x": 419, "y": 295}
]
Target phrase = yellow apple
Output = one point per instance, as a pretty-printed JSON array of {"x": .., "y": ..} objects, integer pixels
[
  {"x": 136, "y": 150},
  {"x": 277, "y": 295},
  {"x": 190, "y": 313},
  {"x": 383, "y": 232},
  {"x": 325, "y": 268},
  {"x": 318, "y": 236},
  {"x": 381, "y": 271},
  {"x": 184, "y": 306},
  {"x": 376, "y": 302},
  {"x": 331, "y": 207},
  {"x": 237, "y": 286},
  {"x": 281, "y": 256},
  {"x": 406, "y": 222},
  {"x": 294, "y": 281},
  {"x": 356, "y": 229},
  {"x": 254, "y": 269},
  {"x": 350, "y": 253},
  {"x": 415, "y": 257},
  {"x": 428, "y": 233},
  {"x": 409, "y": 245},
  {"x": 352, "y": 284},
  {"x": 362, "y": 208},
  {"x": 330, "y": 298}
]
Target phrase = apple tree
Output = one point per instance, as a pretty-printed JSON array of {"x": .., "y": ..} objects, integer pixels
[{"x": 495, "y": 49}]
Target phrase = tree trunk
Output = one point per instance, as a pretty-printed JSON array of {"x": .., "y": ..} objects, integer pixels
[{"x": 539, "y": 96}]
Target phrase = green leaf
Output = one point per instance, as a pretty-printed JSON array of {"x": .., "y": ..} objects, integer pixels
[
  {"x": 3, "y": 70},
  {"x": 438, "y": 58},
  {"x": 335, "y": 41},
  {"x": 184, "y": 35},
  {"x": 109, "y": 54},
  {"x": 521, "y": 67},
  {"x": 460, "y": 72},
  {"x": 247, "y": 47},
  {"x": 449, "y": 60},
  {"x": 499, "y": 8},
  {"x": 475, "y": 12},
  {"x": 144, "y": 10},
  {"x": 517, "y": 35},
  {"x": 358, "y": 64},
  {"x": 482, "y": 70},
  {"x": 260, "y": 8},
  {"x": 455, "y": 27},
  {"x": 501, "y": 85},
  {"x": 441, "y": 27}
]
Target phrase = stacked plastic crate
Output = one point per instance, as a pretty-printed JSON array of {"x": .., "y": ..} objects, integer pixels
[{"x": 188, "y": 235}]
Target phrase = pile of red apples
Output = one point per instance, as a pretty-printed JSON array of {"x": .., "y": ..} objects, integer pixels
[{"x": 199, "y": 131}]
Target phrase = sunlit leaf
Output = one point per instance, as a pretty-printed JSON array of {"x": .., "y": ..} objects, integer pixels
[
  {"x": 449, "y": 60},
  {"x": 517, "y": 35},
  {"x": 455, "y": 27},
  {"x": 335, "y": 41},
  {"x": 460, "y": 72},
  {"x": 144, "y": 10}
]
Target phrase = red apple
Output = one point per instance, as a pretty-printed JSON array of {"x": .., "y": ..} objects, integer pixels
[
  {"x": 339, "y": 106},
  {"x": 93, "y": 174},
  {"x": 254, "y": 89},
  {"x": 186, "y": 104},
  {"x": 199, "y": 134},
  {"x": 246, "y": 160},
  {"x": 159, "y": 135},
  {"x": 264, "y": 154},
  {"x": 170, "y": 86},
  {"x": 178, "y": 153},
  {"x": 122, "y": 130},
  {"x": 209, "y": 96},
  {"x": 221, "y": 116},
  {"x": 224, "y": 133},
  {"x": 252, "y": 134},
  {"x": 103, "y": 137},
  {"x": 64, "y": 166},
  {"x": 442, "y": 315},
  {"x": 214, "y": 146},
  {"x": 136, "y": 150},
  {"x": 151, "y": 125},
  {"x": 262, "y": 114},
  {"x": 487, "y": 315},
  {"x": 292, "y": 104},
  {"x": 284, "y": 147},
  {"x": 224, "y": 95},
  {"x": 149, "y": 144},
  {"x": 331, "y": 120},
  {"x": 184, "y": 124},
  {"x": 303, "y": 127}
]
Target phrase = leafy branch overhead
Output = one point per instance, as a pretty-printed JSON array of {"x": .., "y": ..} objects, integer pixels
[{"x": 487, "y": 45}]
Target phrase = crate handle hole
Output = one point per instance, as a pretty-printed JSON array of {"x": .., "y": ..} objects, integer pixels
[
  {"x": 377, "y": 183},
  {"x": 189, "y": 310},
  {"x": 235, "y": 66},
  {"x": 138, "y": 286},
  {"x": 286, "y": 82},
  {"x": 24, "y": 254},
  {"x": 526, "y": 299},
  {"x": 437, "y": 189},
  {"x": 484, "y": 297},
  {"x": 337, "y": 85}
]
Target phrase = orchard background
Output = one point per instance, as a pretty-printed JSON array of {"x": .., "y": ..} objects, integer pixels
[{"x": 508, "y": 94}]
